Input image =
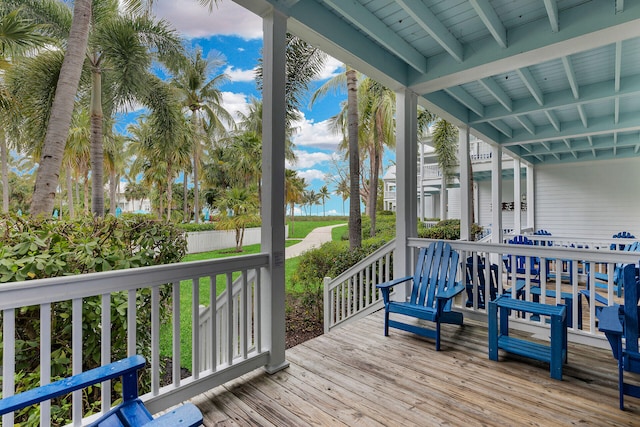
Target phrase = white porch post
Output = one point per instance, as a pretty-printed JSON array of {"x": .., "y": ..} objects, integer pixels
[
  {"x": 496, "y": 194},
  {"x": 273, "y": 139},
  {"x": 443, "y": 198},
  {"x": 517, "y": 211},
  {"x": 406, "y": 187},
  {"x": 531, "y": 198},
  {"x": 465, "y": 191}
]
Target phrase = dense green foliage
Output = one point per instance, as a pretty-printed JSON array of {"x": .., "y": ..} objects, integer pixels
[
  {"x": 448, "y": 229},
  {"x": 38, "y": 248}
]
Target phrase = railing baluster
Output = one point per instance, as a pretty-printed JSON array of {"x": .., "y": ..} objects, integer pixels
[
  {"x": 76, "y": 357},
  {"x": 243, "y": 312},
  {"x": 213, "y": 317},
  {"x": 8, "y": 358},
  {"x": 45, "y": 359},
  {"x": 155, "y": 340},
  {"x": 105, "y": 347},
  {"x": 195, "y": 330},
  {"x": 131, "y": 322},
  {"x": 175, "y": 321},
  {"x": 230, "y": 320},
  {"x": 257, "y": 306}
]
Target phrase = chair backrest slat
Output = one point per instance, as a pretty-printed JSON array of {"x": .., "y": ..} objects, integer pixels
[{"x": 435, "y": 272}]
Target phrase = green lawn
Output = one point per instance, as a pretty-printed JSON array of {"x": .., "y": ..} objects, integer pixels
[
  {"x": 186, "y": 293},
  {"x": 300, "y": 228}
]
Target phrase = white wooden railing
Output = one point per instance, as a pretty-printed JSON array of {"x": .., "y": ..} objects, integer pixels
[
  {"x": 353, "y": 294},
  {"x": 342, "y": 295},
  {"x": 233, "y": 348}
]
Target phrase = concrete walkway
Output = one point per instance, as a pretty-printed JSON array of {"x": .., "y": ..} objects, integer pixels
[{"x": 317, "y": 237}]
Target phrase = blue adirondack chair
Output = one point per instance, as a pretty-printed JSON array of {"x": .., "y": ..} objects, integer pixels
[
  {"x": 130, "y": 412},
  {"x": 617, "y": 273},
  {"x": 433, "y": 287},
  {"x": 520, "y": 265},
  {"x": 621, "y": 235},
  {"x": 620, "y": 324},
  {"x": 542, "y": 242},
  {"x": 481, "y": 283}
]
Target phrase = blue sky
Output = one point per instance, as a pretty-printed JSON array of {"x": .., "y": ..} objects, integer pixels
[{"x": 236, "y": 34}]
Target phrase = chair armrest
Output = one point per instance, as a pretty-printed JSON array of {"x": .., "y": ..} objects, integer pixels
[
  {"x": 609, "y": 321},
  {"x": 187, "y": 415},
  {"x": 451, "y": 292},
  {"x": 117, "y": 369},
  {"x": 392, "y": 283}
]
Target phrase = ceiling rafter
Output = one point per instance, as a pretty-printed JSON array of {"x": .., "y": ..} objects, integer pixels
[
  {"x": 552, "y": 13},
  {"x": 583, "y": 146},
  {"x": 463, "y": 97},
  {"x": 368, "y": 23},
  {"x": 571, "y": 76},
  {"x": 497, "y": 92},
  {"x": 616, "y": 111},
  {"x": 502, "y": 128},
  {"x": 527, "y": 124},
  {"x": 432, "y": 25},
  {"x": 528, "y": 80},
  {"x": 491, "y": 20},
  {"x": 583, "y": 115},
  {"x": 546, "y": 145},
  {"x": 553, "y": 119},
  {"x": 567, "y": 143},
  {"x": 618, "y": 66},
  {"x": 619, "y": 6},
  {"x": 596, "y": 92}
]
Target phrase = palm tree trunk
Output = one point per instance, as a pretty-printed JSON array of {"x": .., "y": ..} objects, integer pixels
[
  {"x": 196, "y": 160},
  {"x": 72, "y": 212},
  {"x": 355, "y": 220},
  {"x": 62, "y": 108},
  {"x": 113, "y": 187},
  {"x": 97, "y": 153},
  {"x": 86, "y": 192},
  {"x": 5, "y": 172}
]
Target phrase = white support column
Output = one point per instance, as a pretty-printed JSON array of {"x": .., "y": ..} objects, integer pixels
[
  {"x": 406, "y": 183},
  {"x": 273, "y": 144},
  {"x": 423, "y": 198},
  {"x": 465, "y": 190},
  {"x": 496, "y": 194},
  {"x": 443, "y": 198},
  {"x": 531, "y": 198},
  {"x": 517, "y": 184}
]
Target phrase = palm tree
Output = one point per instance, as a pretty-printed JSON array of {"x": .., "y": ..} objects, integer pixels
[
  {"x": 239, "y": 207},
  {"x": 324, "y": 194},
  {"x": 294, "y": 188},
  {"x": 77, "y": 155},
  {"x": 201, "y": 95},
  {"x": 61, "y": 111},
  {"x": 343, "y": 190},
  {"x": 350, "y": 78}
]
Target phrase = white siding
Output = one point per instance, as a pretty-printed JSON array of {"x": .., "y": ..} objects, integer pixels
[{"x": 590, "y": 199}]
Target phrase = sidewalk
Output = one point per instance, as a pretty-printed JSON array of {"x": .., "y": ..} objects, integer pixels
[{"x": 314, "y": 239}]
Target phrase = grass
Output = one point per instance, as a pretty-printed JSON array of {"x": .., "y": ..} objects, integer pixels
[
  {"x": 186, "y": 292},
  {"x": 300, "y": 228}
]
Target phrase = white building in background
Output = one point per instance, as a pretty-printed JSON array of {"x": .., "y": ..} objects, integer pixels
[{"x": 138, "y": 205}]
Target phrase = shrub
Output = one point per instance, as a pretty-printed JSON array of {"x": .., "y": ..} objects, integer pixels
[
  {"x": 448, "y": 229},
  {"x": 40, "y": 248}
]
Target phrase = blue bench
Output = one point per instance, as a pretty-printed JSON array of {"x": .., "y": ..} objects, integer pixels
[
  {"x": 131, "y": 412},
  {"x": 554, "y": 354},
  {"x": 536, "y": 291}
]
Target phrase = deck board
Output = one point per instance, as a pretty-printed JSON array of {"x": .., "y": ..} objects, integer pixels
[{"x": 354, "y": 376}]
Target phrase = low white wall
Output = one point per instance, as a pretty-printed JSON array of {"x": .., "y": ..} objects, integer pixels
[{"x": 203, "y": 241}]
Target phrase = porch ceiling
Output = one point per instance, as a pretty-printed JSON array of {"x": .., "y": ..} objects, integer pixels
[{"x": 551, "y": 81}]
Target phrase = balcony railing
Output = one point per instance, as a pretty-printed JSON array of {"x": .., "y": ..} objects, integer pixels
[
  {"x": 232, "y": 349},
  {"x": 554, "y": 263}
]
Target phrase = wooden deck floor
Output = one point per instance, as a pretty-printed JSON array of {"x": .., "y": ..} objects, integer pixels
[{"x": 356, "y": 376}]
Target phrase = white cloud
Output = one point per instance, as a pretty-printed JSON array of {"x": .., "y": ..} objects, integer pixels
[
  {"x": 234, "y": 102},
  {"x": 238, "y": 75},
  {"x": 332, "y": 67},
  {"x": 312, "y": 174},
  {"x": 333, "y": 212},
  {"x": 316, "y": 135},
  {"x": 306, "y": 160},
  {"x": 194, "y": 20}
]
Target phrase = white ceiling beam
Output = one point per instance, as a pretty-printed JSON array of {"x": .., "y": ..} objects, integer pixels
[
  {"x": 583, "y": 115},
  {"x": 580, "y": 145},
  {"x": 463, "y": 97},
  {"x": 527, "y": 124},
  {"x": 571, "y": 76},
  {"x": 618, "y": 66},
  {"x": 502, "y": 127},
  {"x": 567, "y": 143},
  {"x": 553, "y": 119},
  {"x": 432, "y": 25},
  {"x": 367, "y": 22},
  {"x": 593, "y": 93},
  {"x": 616, "y": 111},
  {"x": 528, "y": 80},
  {"x": 491, "y": 20},
  {"x": 498, "y": 93},
  {"x": 552, "y": 13},
  {"x": 590, "y": 140},
  {"x": 546, "y": 145},
  {"x": 619, "y": 6}
]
